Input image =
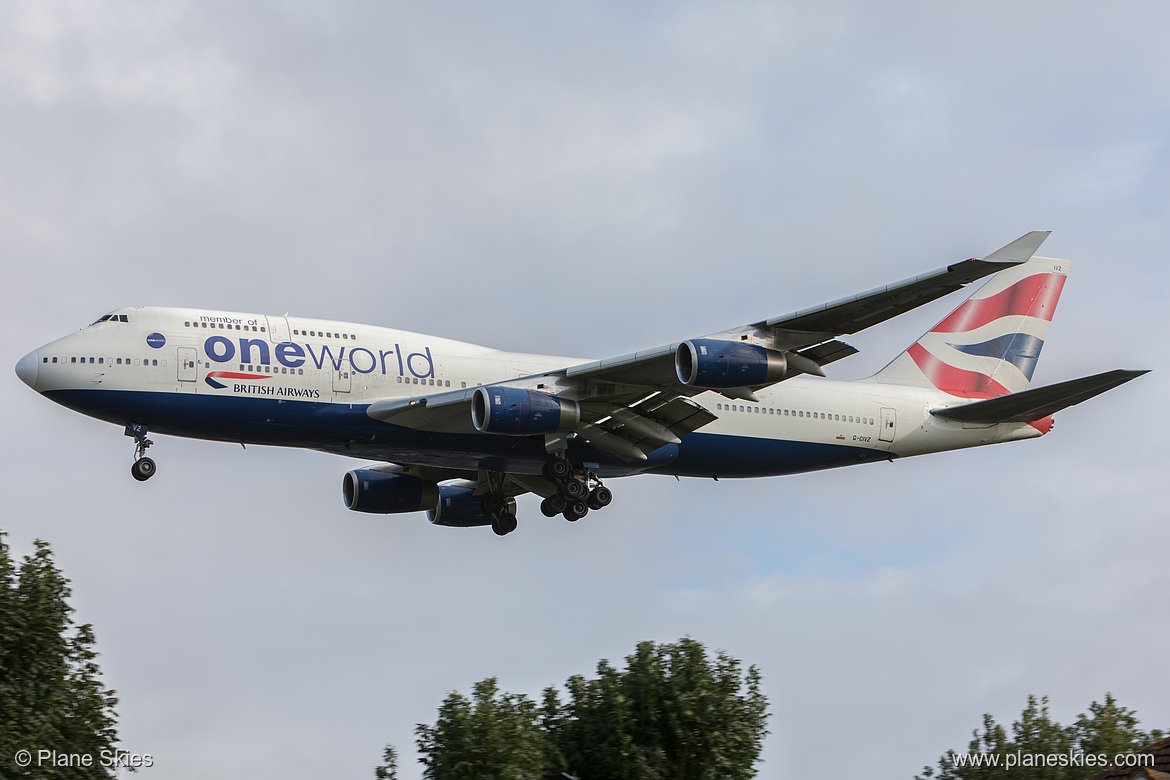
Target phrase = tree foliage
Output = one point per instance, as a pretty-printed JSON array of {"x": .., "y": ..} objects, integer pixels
[
  {"x": 51, "y": 695},
  {"x": 1107, "y": 729},
  {"x": 389, "y": 768},
  {"x": 673, "y": 713},
  {"x": 491, "y": 735}
]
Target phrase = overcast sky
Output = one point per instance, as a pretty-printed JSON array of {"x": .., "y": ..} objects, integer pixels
[{"x": 590, "y": 179}]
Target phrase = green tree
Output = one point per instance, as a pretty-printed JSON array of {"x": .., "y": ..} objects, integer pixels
[
  {"x": 491, "y": 735},
  {"x": 389, "y": 769},
  {"x": 1107, "y": 729},
  {"x": 1110, "y": 728},
  {"x": 673, "y": 713},
  {"x": 51, "y": 694}
]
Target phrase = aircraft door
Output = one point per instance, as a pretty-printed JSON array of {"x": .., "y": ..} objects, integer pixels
[
  {"x": 188, "y": 368},
  {"x": 341, "y": 380},
  {"x": 889, "y": 419},
  {"x": 277, "y": 329}
]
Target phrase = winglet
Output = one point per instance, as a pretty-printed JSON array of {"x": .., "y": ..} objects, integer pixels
[{"x": 1020, "y": 250}]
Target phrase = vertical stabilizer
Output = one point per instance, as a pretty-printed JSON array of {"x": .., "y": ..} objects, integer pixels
[{"x": 989, "y": 345}]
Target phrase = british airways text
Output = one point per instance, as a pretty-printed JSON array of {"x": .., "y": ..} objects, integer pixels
[{"x": 363, "y": 361}]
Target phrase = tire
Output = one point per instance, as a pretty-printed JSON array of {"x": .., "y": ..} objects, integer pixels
[
  {"x": 143, "y": 469},
  {"x": 557, "y": 469},
  {"x": 600, "y": 498},
  {"x": 575, "y": 511},
  {"x": 493, "y": 503},
  {"x": 546, "y": 508},
  {"x": 504, "y": 524},
  {"x": 576, "y": 489}
]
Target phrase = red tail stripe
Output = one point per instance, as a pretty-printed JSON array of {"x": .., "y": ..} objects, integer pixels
[
  {"x": 955, "y": 381},
  {"x": 1035, "y": 296}
]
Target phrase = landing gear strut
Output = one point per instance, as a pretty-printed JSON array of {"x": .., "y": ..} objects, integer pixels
[
  {"x": 574, "y": 497},
  {"x": 144, "y": 467}
]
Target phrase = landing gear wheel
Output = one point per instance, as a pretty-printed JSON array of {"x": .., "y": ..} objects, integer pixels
[
  {"x": 552, "y": 506},
  {"x": 557, "y": 469},
  {"x": 600, "y": 498},
  {"x": 575, "y": 510},
  {"x": 143, "y": 469},
  {"x": 575, "y": 489},
  {"x": 494, "y": 503},
  {"x": 504, "y": 523}
]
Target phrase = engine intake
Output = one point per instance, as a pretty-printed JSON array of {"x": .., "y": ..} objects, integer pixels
[
  {"x": 512, "y": 411},
  {"x": 459, "y": 507},
  {"x": 715, "y": 364},
  {"x": 386, "y": 492}
]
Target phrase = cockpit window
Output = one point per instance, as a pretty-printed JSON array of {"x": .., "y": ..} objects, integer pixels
[{"x": 111, "y": 318}]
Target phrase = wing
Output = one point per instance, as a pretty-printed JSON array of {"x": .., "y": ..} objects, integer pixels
[
  {"x": 811, "y": 333},
  {"x": 631, "y": 405}
]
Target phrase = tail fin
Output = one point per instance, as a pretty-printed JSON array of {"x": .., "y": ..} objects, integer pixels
[{"x": 989, "y": 345}]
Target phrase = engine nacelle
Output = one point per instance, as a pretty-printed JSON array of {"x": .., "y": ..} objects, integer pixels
[
  {"x": 512, "y": 411},
  {"x": 385, "y": 492},
  {"x": 459, "y": 507},
  {"x": 713, "y": 363}
]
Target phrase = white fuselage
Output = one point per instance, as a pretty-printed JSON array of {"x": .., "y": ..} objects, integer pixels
[{"x": 302, "y": 382}]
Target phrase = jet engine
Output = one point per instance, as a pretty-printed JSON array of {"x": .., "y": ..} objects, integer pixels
[
  {"x": 715, "y": 364},
  {"x": 512, "y": 411},
  {"x": 386, "y": 492},
  {"x": 459, "y": 507}
]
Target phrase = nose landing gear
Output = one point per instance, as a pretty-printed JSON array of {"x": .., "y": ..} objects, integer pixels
[{"x": 144, "y": 468}]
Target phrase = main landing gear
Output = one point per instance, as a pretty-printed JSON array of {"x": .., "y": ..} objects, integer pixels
[
  {"x": 502, "y": 510},
  {"x": 144, "y": 467},
  {"x": 578, "y": 491}
]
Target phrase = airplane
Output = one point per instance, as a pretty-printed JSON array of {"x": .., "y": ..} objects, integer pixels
[{"x": 461, "y": 430}]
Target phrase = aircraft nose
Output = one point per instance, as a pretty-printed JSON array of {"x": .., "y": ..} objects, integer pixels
[{"x": 27, "y": 369}]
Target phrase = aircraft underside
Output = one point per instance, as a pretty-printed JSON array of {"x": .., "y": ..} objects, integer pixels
[{"x": 346, "y": 429}]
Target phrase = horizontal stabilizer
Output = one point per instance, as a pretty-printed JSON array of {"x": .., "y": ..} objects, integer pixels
[{"x": 1031, "y": 405}]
